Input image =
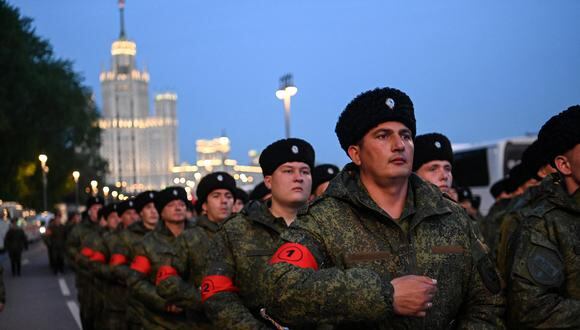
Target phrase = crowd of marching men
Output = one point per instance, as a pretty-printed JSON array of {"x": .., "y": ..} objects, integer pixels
[{"x": 386, "y": 242}]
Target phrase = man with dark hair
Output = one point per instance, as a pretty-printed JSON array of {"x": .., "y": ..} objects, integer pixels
[
  {"x": 231, "y": 292},
  {"x": 381, "y": 248},
  {"x": 15, "y": 242},
  {"x": 544, "y": 280},
  {"x": 242, "y": 198}
]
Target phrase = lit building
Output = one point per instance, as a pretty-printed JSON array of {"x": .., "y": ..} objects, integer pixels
[
  {"x": 140, "y": 148},
  {"x": 213, "y": 156}
]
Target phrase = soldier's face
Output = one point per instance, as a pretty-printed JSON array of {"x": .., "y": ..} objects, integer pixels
[
  {"x": 149, "y": 214},
  {"x": 113, "y": 221},
  {"x": 438, "y": 172},
  {"x": 93, "y": 212},
  {"x": 218, "y": 205},
  {"x": 174, "y": 211},
  {"x": 385, "y": 152},
  {"x": 129, "y": 217},
  {"x": 291, "y": 184},
  {"x": 238, "y": 206}
]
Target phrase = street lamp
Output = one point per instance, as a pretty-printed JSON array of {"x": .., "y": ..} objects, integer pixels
[
  {"x": 43, "y": 159},
  {"x": 76, "y": 175},
  {"x": 285, "y": 92},
  {"x": 106, "y": 192},
  {"x": 94, "y": 185}
]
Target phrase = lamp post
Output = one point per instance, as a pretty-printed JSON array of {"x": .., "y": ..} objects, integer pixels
[
  {"x": 94, "y": 185},
  {"x": 285, "y": 92},
  {"x": 43, "y": 159},
  {"x": 106, "y": 193},
  {"x": 76, "y": 175}
]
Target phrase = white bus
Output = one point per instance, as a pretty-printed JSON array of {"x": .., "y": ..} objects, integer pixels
[{"x": 478, "y": 166}]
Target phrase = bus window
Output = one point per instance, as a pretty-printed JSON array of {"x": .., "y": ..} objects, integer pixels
[{"x": 470, "y": 168}]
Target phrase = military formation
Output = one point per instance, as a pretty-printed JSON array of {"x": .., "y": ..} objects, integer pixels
[{"x": 388, "y": 242}]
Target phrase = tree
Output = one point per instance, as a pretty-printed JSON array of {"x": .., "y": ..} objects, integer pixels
[{"x": 44, "y": 109}]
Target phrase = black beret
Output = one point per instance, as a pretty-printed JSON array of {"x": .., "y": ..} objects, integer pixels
[
  {"x": 94, "y": 200},
  {"x": 242, "y": 195},
  {"x": 144, "y": 198},
  {"x": 323, "y": 173},
  {"x": 213, "y": 181},
  {"x": 125, "y": 206},
  {"x": 108, "y": 209},
  {"x": 260, "y": 190},
  {"x": 370, "y": 109},
  {"x": 284, "y": 151},
  {"x": 498, "y": 187},
  {"x": 432, "y": 146},
  {"x": 561, "y": 133},
  {"x": 168, "y": 195}
]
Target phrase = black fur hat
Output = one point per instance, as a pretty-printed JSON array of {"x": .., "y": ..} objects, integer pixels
[
  {"x": 560, "y": 133},
  {"x": 144, "y": 198},
  {"x": 94, "y": 200},
  {"x": 284, "y": 151},
  {"x": 213, "y": 181},
  {"x": 370, "y": 109},
  {"x": 323, "y": 173},
  {"x": 169, "y": 194},
  {"x": 432, "y": 146},
  {"x": 125, "y": 206}
]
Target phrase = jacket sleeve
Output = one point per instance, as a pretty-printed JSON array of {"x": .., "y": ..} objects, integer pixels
[
  {"x": 321, "y": 293},
  {"x": 140, "y": 285},
  {"x": 537, "y": 277},
  {"x": 225, "y": 308},
  {"x": 73, "y": 243},
  {"x": 484, "y": 305}
]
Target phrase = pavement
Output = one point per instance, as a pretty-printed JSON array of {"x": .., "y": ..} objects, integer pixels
[{"x": 38, "y": 299}]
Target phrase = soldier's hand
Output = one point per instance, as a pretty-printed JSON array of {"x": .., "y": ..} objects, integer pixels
[
  {"x": 413, "y": 295},
  {"x": 173, "y": 309}
]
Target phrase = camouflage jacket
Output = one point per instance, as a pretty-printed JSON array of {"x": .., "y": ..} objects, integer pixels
[
  {"x": 245, "y": 243},
  {"x": 122, "y": 253},
  {"x": 74, "y": 244},
  {"x": 544, "y": 287},
  {"x": 356, "y": 249},
  {"x": 194, "y": 246},
  {"x": 491, "y": 223},
  {"x": 158, "y": 248},
  {"x": 512, "y": 217}
]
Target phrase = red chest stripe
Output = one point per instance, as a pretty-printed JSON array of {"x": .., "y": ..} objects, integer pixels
[
  {"x": 141, "y": 264},
  {"x": 117, "y": 259},
  {"x": 87, "y": 252},
  {"x": 99, "y": 257},
  {"x": 295, "y": 254},
  {"x": 165, "y": 272},
  {"x": 213, "y": 284}
]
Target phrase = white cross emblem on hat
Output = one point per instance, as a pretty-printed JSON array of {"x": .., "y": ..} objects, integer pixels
[
  {"x": 390, "y": 103},
  {"x": 220, "y": 178},
  {"x": 330, "y": 171},
  {"x": 294, "y": 149},
  {"x": 437, "y": 144},
  {"x": 151, "y": 195},
  {"x": 175, "y": 192}
]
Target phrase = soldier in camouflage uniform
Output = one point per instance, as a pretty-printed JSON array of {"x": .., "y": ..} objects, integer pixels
[
  {"x": 433, "y": 160},
  {"x": 321, "y": 176},
  {"x": 382, "y": 249},
  {"x": 152, "y": 257},
  {"x": 544, "y": 287},
  {"x": 232, "y": 293},
  {"x": 502, "y": 199},
  {"x": 74, "y": 242},
  {"x": 123, "y": 252},
  {"x": 215, "y": 192},
  {"x": 95, "y": 259}
]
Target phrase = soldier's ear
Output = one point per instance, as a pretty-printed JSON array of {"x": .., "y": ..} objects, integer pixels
[
  {"x": 563, "y": 165},
  {"x": 268, "y": 181},
  {"x": 354, "y": 154}
]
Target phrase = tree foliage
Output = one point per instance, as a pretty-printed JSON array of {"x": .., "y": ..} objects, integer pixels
[{"x": 44, "y": 109}]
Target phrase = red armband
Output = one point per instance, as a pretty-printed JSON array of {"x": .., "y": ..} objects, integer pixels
[
  {"x": 87, "y": 252},
  {"x": 141, "y": 264},
  {"x": 213, "y": 284},
  {"x": 117, "y": 259},
  {"x": 295, "y": 254},
  {"x": 165, "y": 272},
  {"x": 98, "y": 257}
]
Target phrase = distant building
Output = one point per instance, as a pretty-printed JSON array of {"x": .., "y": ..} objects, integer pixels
[
  {"x": 213, "y": 156},
  {"x": 141, "y": 149}
]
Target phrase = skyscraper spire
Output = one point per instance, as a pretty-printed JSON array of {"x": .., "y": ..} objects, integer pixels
[{"x": 122, "y": 12}]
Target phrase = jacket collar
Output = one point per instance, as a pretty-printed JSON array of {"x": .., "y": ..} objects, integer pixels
[{"x": 259, "y": 212}]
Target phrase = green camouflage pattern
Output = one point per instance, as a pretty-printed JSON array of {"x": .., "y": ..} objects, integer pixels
[
  {"x": 125, "y": 245},
  {"x": 490, "y": 226},
  {"x": 512, "y": 217},
  {"x": 98, "y": 274},
  {"x": 359, "y": 249},
  {"x": 544, "y": 286},
  {"x": 245, "y": 243},
  {"x": 161, "y": 249}
]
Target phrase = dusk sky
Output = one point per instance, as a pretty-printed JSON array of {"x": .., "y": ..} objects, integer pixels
[{"x": 475, "y": 70}]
